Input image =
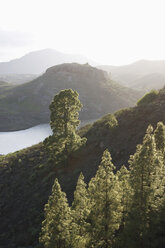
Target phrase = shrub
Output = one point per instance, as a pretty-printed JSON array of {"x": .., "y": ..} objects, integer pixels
[{"x": 147, "y": 98}]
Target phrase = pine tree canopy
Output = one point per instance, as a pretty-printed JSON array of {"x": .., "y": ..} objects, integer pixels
[
  {"x": 64, "y": 122},
  {"x": 116, "y": 210}
]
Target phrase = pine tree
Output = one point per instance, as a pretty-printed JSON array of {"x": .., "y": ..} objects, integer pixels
[
  {"x": 145, "y": 173},
  {"x": 160, "y": 137},
  {"x": 64, "y": 122},
  {"x": 80, "y": 213},
  {"x": 160, "y": 238},
  {"x": 126, "y": 193},
  {"x": 55, "y": 231},
  {"x": 105, "y": 206}
]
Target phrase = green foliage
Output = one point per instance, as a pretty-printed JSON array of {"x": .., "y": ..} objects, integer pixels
[
  {"x": 159, "y": 135},
  {"x": 80, "y": 213},
  {"x": 108, "y": 121},
  {"x": 17, "y": 188},
  {"x": 146, "y": 173},
  {"x": 148, "y": 98},
  {"x": 56, "y": 226},
  {"x": 64, "y": 122},
  {"x": 123, "y": 112},
  {"x": 122, "y": 210},
  {"x": 105, "y": 200}
]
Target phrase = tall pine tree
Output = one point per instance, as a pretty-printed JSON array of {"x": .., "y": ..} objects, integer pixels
[
  {"x": 145, "y": 172},
  {"x": 159, "y": 134},
  {"x": 80, "y": 213},
  {"x": 160, "y": 145},
  {"x": 126, "y": 195},
  {"x": 64, "y": 122},
  {"x": 105, "y": 205},
  {"x": 56, "y": 231}
]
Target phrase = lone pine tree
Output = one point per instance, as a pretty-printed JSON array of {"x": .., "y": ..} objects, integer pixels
[{"x": 64, "y": 122}]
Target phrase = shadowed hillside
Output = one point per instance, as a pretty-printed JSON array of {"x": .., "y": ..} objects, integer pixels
[
  {"x": 26, "y": 179},
  {"x": 27, "y": 105}
]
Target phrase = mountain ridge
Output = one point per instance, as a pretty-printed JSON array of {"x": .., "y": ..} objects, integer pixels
[
  {"x": 26, "y": 105},
  {"x": 137, "y": 71},
  {"x": 37, "y": 62}
]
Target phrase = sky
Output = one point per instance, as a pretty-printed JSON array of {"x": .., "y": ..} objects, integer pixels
[{"x": 113, "y": 32}]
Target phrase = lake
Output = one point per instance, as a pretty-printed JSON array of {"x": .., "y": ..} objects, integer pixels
[{"x": 14, "y": 141}]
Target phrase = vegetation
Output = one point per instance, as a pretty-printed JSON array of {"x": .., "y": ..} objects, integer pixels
[
  {"x": 27, "y": 105},
  {"x": 55, "y": 228},
  {"x": 106, "y": 214},
  {"x": 147, "y": 98},
  {"x": 26, "y": 179},
  {"x": 64, "y": 122}
]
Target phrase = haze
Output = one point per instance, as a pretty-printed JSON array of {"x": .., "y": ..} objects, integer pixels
[{"x": 108, "y": 31}]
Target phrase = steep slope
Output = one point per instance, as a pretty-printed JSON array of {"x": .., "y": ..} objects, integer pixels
[
  {"x": 27, "y": 105},
  {"x": 26, "y": 180},
  {"x": 128, "y": 74},
  {"x": 38, "y": 61}
]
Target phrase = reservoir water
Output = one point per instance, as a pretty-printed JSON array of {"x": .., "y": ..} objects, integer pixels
[
  {"x": 14, "y": 141},
  {"x": 17, "y": 140}
]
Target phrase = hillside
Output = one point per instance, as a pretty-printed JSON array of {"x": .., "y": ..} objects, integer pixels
[
  {"x": 26, "y": 179},
  {"x": 27, "y": 105},
  {"x": 38, "y": 61},
  {"x": 17, "y": 78},
  {"x": 143, "y": 74},
  {"x": 4, "y": 86},
  {"x": 148, "y": 82}
]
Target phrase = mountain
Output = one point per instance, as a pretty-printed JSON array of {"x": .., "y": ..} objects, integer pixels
[
  {"x": 149, "y": 81},
  {"x": 26, "y": 179},
  {"x": 17, "y": 78},
  {"x": 137, "y": 75},
  {"x": 38, "y": 61},
  {"x": 4, "y": 86},
  {"x": 27, "y": 105}
]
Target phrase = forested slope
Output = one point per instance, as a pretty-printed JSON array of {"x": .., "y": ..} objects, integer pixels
[{"x": 26, "y": 179}]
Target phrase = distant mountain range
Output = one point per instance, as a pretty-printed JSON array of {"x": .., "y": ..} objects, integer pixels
[
  {"x": 26, "y": 105},
  {"x": 38, "y": 61},
  {"x": 17, "y": 78},
  {"x": 143, "y": 74}
]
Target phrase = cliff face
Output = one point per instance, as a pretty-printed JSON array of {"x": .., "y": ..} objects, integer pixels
[{"x": 27, "y": 105}]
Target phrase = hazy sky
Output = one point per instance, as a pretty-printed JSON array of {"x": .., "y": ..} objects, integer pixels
[{"x": 108, "y": 31}]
